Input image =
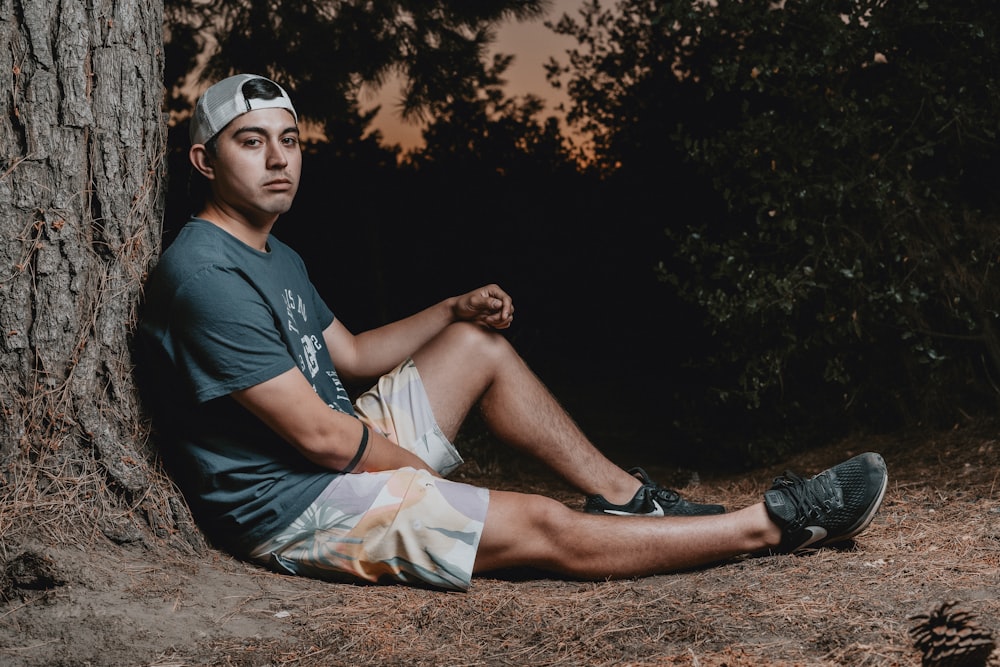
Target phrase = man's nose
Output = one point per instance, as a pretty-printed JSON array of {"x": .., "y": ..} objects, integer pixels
[{"x": 276, "y": 157}]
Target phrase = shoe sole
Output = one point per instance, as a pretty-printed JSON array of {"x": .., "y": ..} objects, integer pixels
[{"x": 865, "y": 519}]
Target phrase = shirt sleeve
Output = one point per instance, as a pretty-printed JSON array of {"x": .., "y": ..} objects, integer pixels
[{"x": 223, "y": 335}]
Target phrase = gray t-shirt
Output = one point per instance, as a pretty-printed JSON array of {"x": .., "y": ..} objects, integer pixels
[{"x": 221, "y": 316}]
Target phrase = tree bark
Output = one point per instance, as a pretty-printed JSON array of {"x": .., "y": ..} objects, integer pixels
[{"x": 81, "y": 203}]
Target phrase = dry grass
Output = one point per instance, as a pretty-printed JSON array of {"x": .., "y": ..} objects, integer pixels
[{"x": 937, "y": 537}]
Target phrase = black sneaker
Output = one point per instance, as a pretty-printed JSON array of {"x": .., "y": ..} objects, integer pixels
[
  {"x": 833, "y": 506},
  {"x": 650, "y": 500}
]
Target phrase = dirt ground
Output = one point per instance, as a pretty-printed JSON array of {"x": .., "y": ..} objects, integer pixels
[{"x": 936, "y": 538}]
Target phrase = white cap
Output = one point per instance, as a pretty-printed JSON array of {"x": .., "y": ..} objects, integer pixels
[{"x": 223, "y": 102}]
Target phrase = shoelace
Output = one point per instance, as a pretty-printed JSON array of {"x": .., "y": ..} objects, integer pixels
[
  {"x": 661, "y": 493},
  {"x": 668, "y": 496},
  {"x": 811, "y": 498}
]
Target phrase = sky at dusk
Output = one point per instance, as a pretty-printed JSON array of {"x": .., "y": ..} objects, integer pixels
[{"x": 530, "y": 42}]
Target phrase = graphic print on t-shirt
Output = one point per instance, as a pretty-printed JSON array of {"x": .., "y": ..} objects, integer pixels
[
  {"x": 310, "y": 345},
  {"x": 295, "y": 310}
]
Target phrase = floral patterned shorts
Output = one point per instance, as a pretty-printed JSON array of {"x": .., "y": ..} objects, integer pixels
[{"x": 400, "y": 525}]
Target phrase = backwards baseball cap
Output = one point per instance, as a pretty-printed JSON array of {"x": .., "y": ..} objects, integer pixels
[{"x": 224, "y": 101}]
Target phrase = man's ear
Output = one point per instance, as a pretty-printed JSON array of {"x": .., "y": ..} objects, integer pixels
[{"x": 202, "y": 161}]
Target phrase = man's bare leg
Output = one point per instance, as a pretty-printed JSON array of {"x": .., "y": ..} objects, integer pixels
[
  {"x": 830, "y": 507},
  {"x": 524, "y": 530},
  {"x": 467, "y": 364}
]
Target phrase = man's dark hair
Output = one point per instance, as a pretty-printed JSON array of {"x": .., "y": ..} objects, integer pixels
[{"x": 260, "y": 89}]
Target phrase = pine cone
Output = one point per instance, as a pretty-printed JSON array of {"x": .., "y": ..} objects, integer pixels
[{"x": 949, "y": 637}]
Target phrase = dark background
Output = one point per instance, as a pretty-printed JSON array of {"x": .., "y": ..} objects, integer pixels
[{"x": 783, "y": 229}]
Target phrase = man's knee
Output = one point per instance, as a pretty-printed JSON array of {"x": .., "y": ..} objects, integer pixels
[
  {"x": 522, "y": 529},
  {"x": 477, "y": 339},
  {"x": 525, "y": 512}
]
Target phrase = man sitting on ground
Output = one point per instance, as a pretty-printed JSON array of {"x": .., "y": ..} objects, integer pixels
[{"x": 243, "y": 362}]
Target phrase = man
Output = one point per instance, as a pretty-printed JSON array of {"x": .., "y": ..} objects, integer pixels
[{"x": 244, "y": 366}]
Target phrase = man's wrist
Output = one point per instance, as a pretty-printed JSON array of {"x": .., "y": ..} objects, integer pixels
[{"x": 451, "y": 307}]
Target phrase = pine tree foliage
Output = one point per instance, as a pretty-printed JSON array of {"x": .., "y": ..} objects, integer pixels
[
  {"x": 834, "y": 231},
  {"x": 324, "y": 50}
]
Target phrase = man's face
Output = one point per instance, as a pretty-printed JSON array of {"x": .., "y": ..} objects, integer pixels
[{"x": 256, "y": 167}]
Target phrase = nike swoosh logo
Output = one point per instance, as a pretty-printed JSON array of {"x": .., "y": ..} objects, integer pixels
[
  {"x": 656, "y": 512},
  {"x": 817, "y": 533}
]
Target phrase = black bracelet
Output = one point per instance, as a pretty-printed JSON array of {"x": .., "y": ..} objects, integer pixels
[{"x": 361, "y": 450}]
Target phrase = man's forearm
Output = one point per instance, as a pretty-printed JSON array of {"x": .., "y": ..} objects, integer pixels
[
  {"x": 380, "y": 350},
  {"x": 383, "y": 454}
]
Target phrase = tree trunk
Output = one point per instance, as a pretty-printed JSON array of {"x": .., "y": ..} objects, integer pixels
[{"x": 81, "y": 202}]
